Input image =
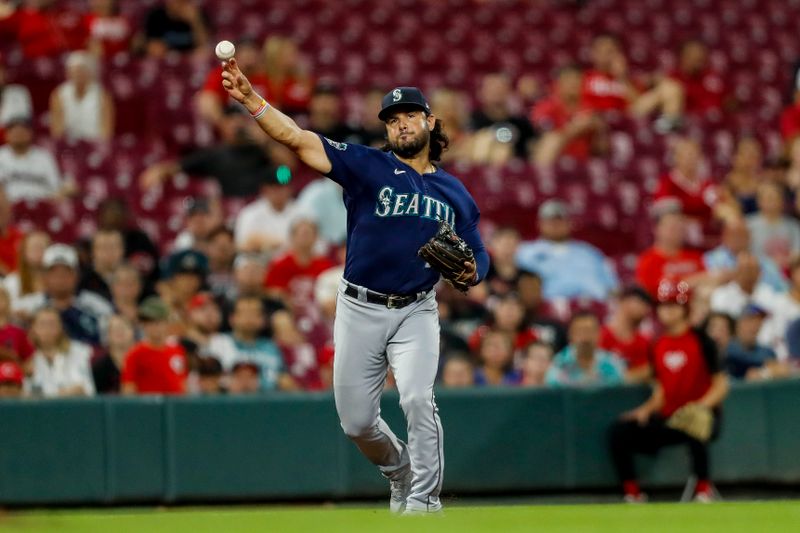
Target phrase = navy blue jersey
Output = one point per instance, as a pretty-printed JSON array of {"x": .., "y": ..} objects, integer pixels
[{"x": 392, "y": 211}]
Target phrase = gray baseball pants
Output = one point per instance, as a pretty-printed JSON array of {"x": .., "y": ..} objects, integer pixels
[{"x": 368, "y": 338}]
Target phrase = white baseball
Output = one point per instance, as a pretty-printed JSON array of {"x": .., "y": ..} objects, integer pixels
[{"x": 225, "y": 50}]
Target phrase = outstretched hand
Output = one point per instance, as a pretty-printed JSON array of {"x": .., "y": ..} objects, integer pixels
[{"x": 236, "y": 83}]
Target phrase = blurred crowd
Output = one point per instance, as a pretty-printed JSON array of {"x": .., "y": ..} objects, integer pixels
[{"x": 244, "y": 303}]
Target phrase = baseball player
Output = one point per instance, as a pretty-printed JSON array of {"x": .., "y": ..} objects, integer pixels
[
  {"x": 684, "y": 406},
  {"x": 386, "y": 314}
]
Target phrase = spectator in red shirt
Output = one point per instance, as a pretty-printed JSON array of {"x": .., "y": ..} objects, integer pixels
[
  {"x": 292, "y": 275},
  {"x": 622, "y": 334},
  {"x": 790, "y": 117},
  {"x": 10, "y": 237},
  {"x": 704, "y": 88},
  {"x": 44, "y": 29},
  {"x": 669, "y": 257},
  {"x": 14, "y": 342},
  {"x": 154, "y": 366},
  {"x": 109, "y": 32},
  {"x": 687, "y": 371},
  {"x": 11, "y": 378},
  {"x": 569, "y": 129},
  {"x": 608, "y": 87}
]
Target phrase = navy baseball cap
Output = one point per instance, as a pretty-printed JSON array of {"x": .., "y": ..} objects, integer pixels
[{"x": 403, "y": 97}]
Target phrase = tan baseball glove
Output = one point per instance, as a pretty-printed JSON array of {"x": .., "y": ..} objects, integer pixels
[{"x": 694, "y": 419}]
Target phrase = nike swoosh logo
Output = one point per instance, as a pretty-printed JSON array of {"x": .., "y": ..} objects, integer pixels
[{"x": 398, "y": 171}]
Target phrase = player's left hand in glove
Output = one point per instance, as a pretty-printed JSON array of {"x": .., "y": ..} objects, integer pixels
[
  {"x": 694, "y": 419},
  {"x": 451, "y": 256}
]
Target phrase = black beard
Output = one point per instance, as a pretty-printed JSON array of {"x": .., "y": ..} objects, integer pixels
[{"x": 412, "y": 148}]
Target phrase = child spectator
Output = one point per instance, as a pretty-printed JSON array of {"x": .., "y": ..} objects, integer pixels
[
  {"x": 496, "y": 360},
  {"x": 210, "y": 375},
  {"x": 107, "y": 367},
  {"x": 245, "y": 378},
  {"x": 535, "y": 364},
  {"x": 178, "y": 25},
  {"x": 28, "y": 172},
  {"x": 745, "y": 358},
  {"x": 14, "y": 342},
  {"x": 11, "y": 379},
  {"x": 80, "y": 108},
  {"x": 29, "y": 275},
  {"x": 458, "y": 371},
  {"x": 60, "y": 366},
  {"x": 621, "y": 334},
  {"x": 687, "y": 372},
  {"x": 154, "y": 365},
  {"x": 245, "y": 343},
  {"x": 582, "y": 362},
  {"x": 772, "y": 233}
]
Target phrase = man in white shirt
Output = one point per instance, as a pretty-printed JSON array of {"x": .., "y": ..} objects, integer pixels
[
  {"x": 321, "y": 200},
  {"x": 746, "y": 287},
  {"x": 263, "y": 226},
  {"x": 27, "y": 172},
  {"x": 783, "y": 310}
]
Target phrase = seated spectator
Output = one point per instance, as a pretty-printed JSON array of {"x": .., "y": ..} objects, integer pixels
[
  {"x": 746, "y": 286},
  {"x": 154, "y": 365},
  {"x": 15, "y": 101},
  {"x": 114, "y": 214},
  {"x": 126, "y": 291},
  {"x": 83, "y": 313},
  {"x": 325, "y": 116},
  {"x": 300, "y": 356},
  {"x": 700, "y": 198},
  {"x": 452, "y": 108},
  {"x": 502, "y": 275},
  {"x": 10, "y": 237},
  {"x": 746, "y": 174},
  {"x": 569, "y": 268},
  {"x": 703, "y": 88},
  {"x": 14, "y": 342},
  {"x": 210, "y": 375},
  {"x": 735, "y": 240},
  {"x": 790, "y": 117},
  {"x": 287, "y": 70},
  {"x": 245, "y": 378},
  {"x": 720, "y": 328},
  {"x": 11, "y": 378},
  {"x": 263, "y": 226},
  {"x": 46, "y": 28},
  {"x": 178, "y": 25},
  {"x": 569, "y": 129},
  {"x": 507, "y": 316},
  {"x": 458, "y": 371},
  {"x": 496, "y": 358},
  {"x": 109, "y": 32},
  {"x": 291, "y": 276},
  {"x": 687, "y": 371},
  {"x": 29, "y": 276},
  {"x": 204, "y": 321},
  {"x": 244, "y": 343},
  {"x": 607, "y": 86},
  {"x": 536, "y": 363},
  {"x": 239, "y": 163},
  {"x": 28, "y": 172},
  {"x": 745, "y": 357},
  {"x": 202, "y": 216},
  {"x": 784, "y": 309},
  {"x": 500, "y": 133},
  {"x": 60, "y": 366},
  {"x": 622, "y": 335},
  {"x": 669, "y": 257},
  {"x": 221, "y": 252},
  {"x": 184, "y": 276},
  {"x": 321, "y": 201},
  {"x": 108, "y": 251},
  {"x": 107, "y": 367},
  {"x": 537, "y": 315},
  {"x": 772, "y": 233},
  {"x": 583, "y": 362},
  {"x": 81, "y": 109}
]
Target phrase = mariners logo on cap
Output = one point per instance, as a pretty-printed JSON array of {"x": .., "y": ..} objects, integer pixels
[{"x": 397, "y": 94}]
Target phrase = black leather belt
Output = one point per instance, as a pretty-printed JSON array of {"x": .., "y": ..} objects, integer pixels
[{"x": 392, "y": 301}]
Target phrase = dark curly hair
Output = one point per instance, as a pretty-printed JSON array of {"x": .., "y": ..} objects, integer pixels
[{"x": 439, "y": 142}]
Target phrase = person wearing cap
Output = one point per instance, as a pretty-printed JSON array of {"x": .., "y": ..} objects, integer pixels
[
  {"x": 396, "y": 198},
  {"x": 686, "y": 370},
  {"x": 60, "y": 366},
  {"x": 11, "y": 379},
  {"x": 155, "y": 365},
  {"x": 203, "y": 321},
  {"x": 745, "y": 357},
  {"x": 745, "y": 287},
  {"x": 210, "y": 375},
  {"x": 245, "y": 378},
  {"x": 569, "y": 268},
  {"x": 84, "y": 313},
  {"x": 28, "y": 172},
  {"x": 185, "y": 273},
  {"x": 622, "y": 335},
  {"x": 81, "y": 109},
  {"x": 202, "y": 216}
]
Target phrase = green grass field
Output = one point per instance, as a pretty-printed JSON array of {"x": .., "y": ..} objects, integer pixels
[{"x": 734, "y": 517}]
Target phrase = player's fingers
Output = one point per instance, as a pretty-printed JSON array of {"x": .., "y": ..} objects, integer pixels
[{"x": 226, "y": 84}]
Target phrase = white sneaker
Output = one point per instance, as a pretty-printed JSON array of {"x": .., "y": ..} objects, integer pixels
[
  {"x": 639, "y": 498},
  {"x": 400, "y": 489}
]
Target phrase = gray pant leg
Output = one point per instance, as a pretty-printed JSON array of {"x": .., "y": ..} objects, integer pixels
[
  {"x": 413, "y": 353},
  {"x": 359, "y": 373}
]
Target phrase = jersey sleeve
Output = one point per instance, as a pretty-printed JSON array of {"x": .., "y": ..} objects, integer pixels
[
  {"x": 349, "y": 163},
  {"x": 467, "y": 229}
]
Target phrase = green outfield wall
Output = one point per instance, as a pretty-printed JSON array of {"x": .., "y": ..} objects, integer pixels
[{"x": 154, "y": 449}]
